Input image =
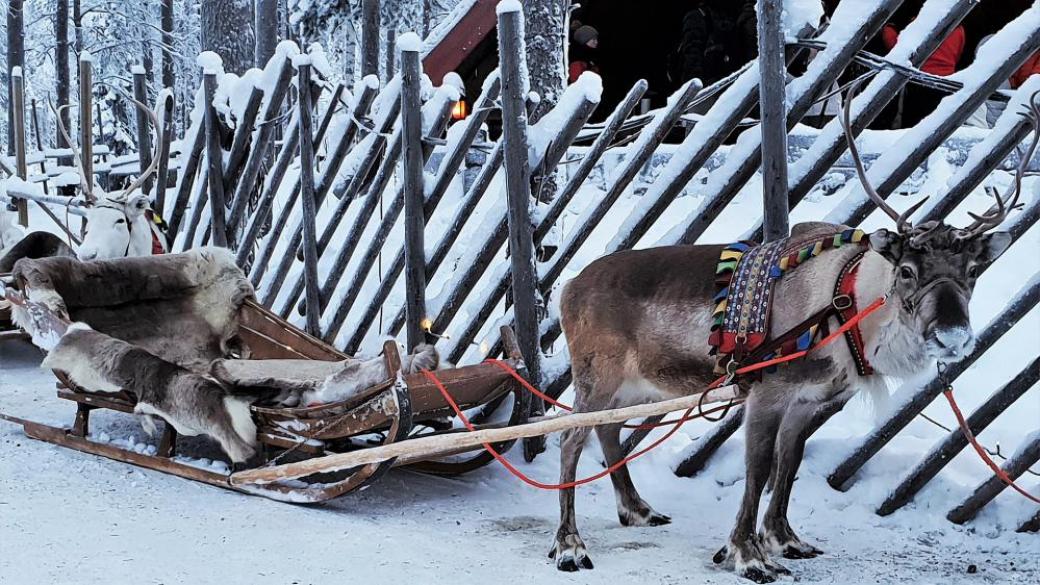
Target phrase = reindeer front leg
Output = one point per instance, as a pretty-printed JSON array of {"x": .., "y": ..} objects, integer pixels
[{"x": 745, "y": 550}]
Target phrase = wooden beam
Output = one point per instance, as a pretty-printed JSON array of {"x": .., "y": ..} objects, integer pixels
[
  {"x": 772, "y": 98},
  {"x": 452, "y": 441},
  {"x": 18, "y": 109},
  {"x": 144, "y": 136},
  {"x": 310, "y": 208},
  {"x": 414, "y": 191},
  {"x": 215, "y": 160},
  {"x": 86, "y": 121}
]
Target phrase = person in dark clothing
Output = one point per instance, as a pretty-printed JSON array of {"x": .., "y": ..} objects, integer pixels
[
  {"x": 583, "y": 52},
  {"x": 718, "y": 37}
]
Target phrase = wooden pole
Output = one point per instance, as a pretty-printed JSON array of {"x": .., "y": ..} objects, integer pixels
[
  {"x": 370, "y": 37},
  {"x": 144, "y": 137},
  {"x": 954, "y": 442},
  {"x": 310, "y": 208},
  {"x": 215, "y": 160},
  {"x": 86, "y": 121},
  {"x": 18, "y": 109},
  {"x": 163, "y": 170},
  {"x": 772, "y": 98},
  {"x": 1023, "y": 458},
  {"x": 39, "y": 143},
  {"x": 191, "y": 153},
  {"x": 527, "y": 304},
  {"x": 453, "y": 441},
  {"x": 414, "y": 216}
]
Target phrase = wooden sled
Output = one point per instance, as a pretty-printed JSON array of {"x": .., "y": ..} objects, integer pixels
[{"x": 398, "y": 409}]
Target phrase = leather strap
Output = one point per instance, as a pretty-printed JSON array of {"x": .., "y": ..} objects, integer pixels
[{"x": 845, "y": 304}]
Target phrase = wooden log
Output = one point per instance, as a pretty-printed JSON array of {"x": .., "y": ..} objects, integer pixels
[
  {"x": 194, "y": 142},
  {"x": 163, "y": 169},
  {"x": 445, "y": 174},
  {"x": 334, "y": 102},
  {"x": 881, "y": 90},
  {"x": 144, "y": 136},
  {"x": 261, "y": 143},
  {"x": 588, "y": 162},
  {"x": 244, "y": 130},
  {"x": 651, "y": 137},
  {"x": 1024, "y": 457},
  {"x": 739, "y": 169},
  {"x": 199, "y": 209},
  {"x": 1023, "y": 302},
  {"x": 442, "y": 108},
  {"x": 773, "y": 125},
  {"x": 18, "y": 133},
  {"x": 453, "y": 441},
  {"x": 904, "y": 163},
  {"x": 954, "y": 442},
  {"x": 86, "y": 121},
  {"x": 1030, "y": 525},
  {"x": 272, "y": 183},
  {"x": 518, "y": 200},
  {"x": 413, "y": 192},
  {"x": 215, "y": 164},
  {"x": 385, "y": 125},
  {"x": 39, "y": 143},
  {"x": 310, "y": 208}
]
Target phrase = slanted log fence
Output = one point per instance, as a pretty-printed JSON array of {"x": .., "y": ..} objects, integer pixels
[{"x": 404, "y": 243}]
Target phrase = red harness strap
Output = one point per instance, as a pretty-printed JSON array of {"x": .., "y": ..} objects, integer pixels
[{"x": 845, "y": 304}]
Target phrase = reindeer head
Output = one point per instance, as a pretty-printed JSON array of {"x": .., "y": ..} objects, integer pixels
[
  {"x": 116, "y": 224},
  {"x": 935, "y": 265},
  {"x": 115, "y": 229}
]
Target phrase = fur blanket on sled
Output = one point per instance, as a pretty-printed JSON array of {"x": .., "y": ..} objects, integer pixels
[{"x": 165, "y": 329}]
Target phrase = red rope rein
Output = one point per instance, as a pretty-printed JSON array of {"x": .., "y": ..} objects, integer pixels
[
  {"x": 970, "y": 436},
  {"x": 675, "y": 424}
]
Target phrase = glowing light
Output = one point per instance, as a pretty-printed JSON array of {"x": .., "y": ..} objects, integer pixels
[
  {"x": 460, "y": 110},
  {"x": 484, "y": 349},
  {"x": 426, "y": 325}
]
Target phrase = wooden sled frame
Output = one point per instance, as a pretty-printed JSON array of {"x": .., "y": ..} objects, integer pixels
[{"x": 399, "y": 408}]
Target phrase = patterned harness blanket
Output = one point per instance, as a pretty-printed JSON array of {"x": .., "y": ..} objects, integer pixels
[{"x": 744, "y": 279}]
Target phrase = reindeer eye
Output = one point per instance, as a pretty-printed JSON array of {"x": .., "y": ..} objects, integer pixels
[
  {"x": 119, "y": 221},
  {"x": 973, "y": 271},
  {"x": 906, "y": 273}
]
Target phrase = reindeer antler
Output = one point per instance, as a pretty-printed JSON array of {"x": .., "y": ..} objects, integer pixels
[
  {"x": 1004, "y": 205},
  {"x": 902, "y": 219}
]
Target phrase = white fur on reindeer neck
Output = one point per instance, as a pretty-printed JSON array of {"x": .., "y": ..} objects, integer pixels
[{"x": 117, "y": 229}]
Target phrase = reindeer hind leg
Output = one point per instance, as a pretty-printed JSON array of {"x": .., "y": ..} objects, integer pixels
[{"x": 632, "y": 509}]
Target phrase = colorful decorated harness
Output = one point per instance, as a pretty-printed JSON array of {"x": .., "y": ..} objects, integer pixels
[{"x": 744, "y": 278}]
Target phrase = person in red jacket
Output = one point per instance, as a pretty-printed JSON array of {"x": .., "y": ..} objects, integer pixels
[
  {"x": 920, "y": 101},
  {"x": 1029, "y": 68},
  {"x": 583, "y": 51}
]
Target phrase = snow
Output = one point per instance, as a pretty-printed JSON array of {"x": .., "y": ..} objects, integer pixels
[
  {"x": 797, "y": 14},
  {"x": 16, "y": 72},
  {"x": 507, "y": 6},
  {"x": 301, "y": 60},
  {"x": 137, "y": 70},
  {"x": 86, "y": 56},
  {"x": 210, "y": 62},
  {"x": 410, "y": 42}
]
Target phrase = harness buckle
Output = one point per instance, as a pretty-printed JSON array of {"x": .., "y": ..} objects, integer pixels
[
  {"x": 842, "y": 302},
  {"x": 731, "y": 371}
]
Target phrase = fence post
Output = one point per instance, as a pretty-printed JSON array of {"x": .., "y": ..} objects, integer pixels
[
  {"x": 414, "y": 216},
  {"x": 215, "y": 160},
  {"x": 18, "y": 105},
  {"x": 163, "y": 171},
  {"x": 144, "y": 137},
  {"x": 86, "y": 121},
  {"x": 310, "y": 209},
  {"x": 774, "y": 119},
  {"x": 39, "y": 143},
  {"x": 1025, "y": 456},
  {"x": 518, "y": 192}
]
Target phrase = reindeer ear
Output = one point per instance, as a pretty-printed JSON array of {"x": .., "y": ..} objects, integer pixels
[
  {"x": 888, "y": 244},
  {"x": 137, "y": 204},
  {"x": 992, "y": 245}
]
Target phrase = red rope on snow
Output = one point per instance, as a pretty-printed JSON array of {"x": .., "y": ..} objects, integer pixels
[{"x": 970, "y": 436}]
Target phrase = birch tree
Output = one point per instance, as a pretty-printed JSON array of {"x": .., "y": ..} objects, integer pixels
[
  {"x": 61, "y": 65},
  {"x": 267, "y": 31},
  {"x": 546, "y": 37}
]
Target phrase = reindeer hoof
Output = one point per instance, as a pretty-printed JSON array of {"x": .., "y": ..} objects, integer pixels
[
  {"x": 799, "y": 552},
  {"x": 570, "y": 554},
  {"x": 645, "y": 517},
  {"x": 720, "y": 557},
  {"x": 758, "y": 575}
]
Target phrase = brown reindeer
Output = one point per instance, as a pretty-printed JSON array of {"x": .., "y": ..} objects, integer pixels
[{"x": 637, "y": 324}]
